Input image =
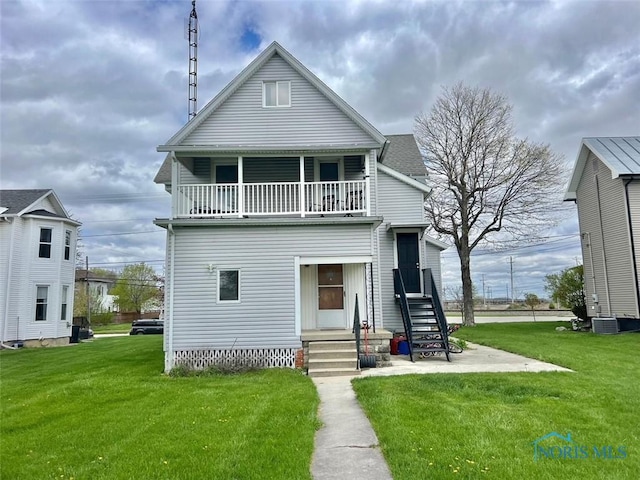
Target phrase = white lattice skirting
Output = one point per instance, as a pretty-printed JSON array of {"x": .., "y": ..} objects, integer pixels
[{"x": 258, "y": 357}]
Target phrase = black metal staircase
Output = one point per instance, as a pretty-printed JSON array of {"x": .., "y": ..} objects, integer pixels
[{"x": 423, "y": 317}]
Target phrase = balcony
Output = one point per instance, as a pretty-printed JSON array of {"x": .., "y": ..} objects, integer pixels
[{"x": 346, "y": 198}]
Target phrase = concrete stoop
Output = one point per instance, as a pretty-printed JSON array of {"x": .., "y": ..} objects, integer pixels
[{"x": 332, "y": 358}]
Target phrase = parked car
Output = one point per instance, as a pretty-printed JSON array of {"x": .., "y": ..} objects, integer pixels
[
  {"x": 147, "y": 327},
  {"x": 85, "y": 334}
]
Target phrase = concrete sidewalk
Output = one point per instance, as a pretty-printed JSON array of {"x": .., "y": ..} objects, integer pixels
[{"x": 347, "y": 447}]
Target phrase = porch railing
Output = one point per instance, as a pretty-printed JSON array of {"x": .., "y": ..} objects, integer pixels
[{"x": 281, "y": 198}]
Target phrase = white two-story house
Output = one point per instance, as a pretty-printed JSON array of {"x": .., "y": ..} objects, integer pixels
[
  {"x": 37, "y": 268},
  {"x": 286, "y": 204}
]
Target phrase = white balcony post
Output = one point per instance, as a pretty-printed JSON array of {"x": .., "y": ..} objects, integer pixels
[
  {"x": 367, "y": 183},
  {"x": 175, "y": 186},
  {"x": 240, "y": 188},
  {"x": 302, "y": 192}
]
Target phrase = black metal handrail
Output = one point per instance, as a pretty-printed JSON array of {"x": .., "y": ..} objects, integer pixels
[
  {"x": 356, "y": 330},
  {"x": 401, "y": 296},
  {"x": 430, "y": 289}
]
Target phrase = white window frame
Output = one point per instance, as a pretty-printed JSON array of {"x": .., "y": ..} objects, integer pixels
[
  {"x": 68, "y": 235},
  {"x": 64, "y": 303},
  {"x": 227, "y": 269},
  {"x": 46, "y": 304},
  {"x": 277, "y": 85},
  {"x": 41, "y": 243}
]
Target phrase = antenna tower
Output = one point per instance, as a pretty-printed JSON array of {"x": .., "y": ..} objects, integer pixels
[{"x": 193, "y": 62}]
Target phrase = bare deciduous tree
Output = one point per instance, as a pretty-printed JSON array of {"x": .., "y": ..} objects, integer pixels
[{"x": 484, "y": 179}]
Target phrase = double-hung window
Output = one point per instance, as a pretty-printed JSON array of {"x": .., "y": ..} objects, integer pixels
[
  {"x": 228, "y": 285},
  {"x": 277, "y": 94},
  {"x": 45, "y": 243},
  {"x": 64, "y": 302},
  {"x": 67, "y": 244},
  {"x": 42, "y": 294}
]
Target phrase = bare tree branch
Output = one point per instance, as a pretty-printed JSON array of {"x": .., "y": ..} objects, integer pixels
[{"x": 484, "y": 180}]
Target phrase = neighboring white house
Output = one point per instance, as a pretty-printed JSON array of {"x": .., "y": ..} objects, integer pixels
[
  {"x": 37, "y": 268},
  {"x": 99, "y": 286},
  {"x": 286, "y": 204},
  {"x": 605, "y": 185}
]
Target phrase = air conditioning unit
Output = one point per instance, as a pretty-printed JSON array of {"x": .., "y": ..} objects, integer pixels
[{"x": 605, "y": 325}]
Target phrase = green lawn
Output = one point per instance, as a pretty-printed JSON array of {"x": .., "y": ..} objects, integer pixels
[
  {"x": 483, "y": 425},
  {"x": 104, "y": 410}
]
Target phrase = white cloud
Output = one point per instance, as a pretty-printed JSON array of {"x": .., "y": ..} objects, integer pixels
[{"x": 90, "y": 88}]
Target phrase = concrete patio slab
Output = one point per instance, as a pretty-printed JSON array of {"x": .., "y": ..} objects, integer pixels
[{"x": 476, "y": 359}]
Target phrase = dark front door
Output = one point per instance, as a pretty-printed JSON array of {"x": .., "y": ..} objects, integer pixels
[{"x": 409, "y": 261}]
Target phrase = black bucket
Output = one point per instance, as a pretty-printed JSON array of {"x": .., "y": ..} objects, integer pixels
[{"x": 367, "y": 361}]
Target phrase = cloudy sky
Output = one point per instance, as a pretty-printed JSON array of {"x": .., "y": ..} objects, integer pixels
[{"x": 90, "y": 88}]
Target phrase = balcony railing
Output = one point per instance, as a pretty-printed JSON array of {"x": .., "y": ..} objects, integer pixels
[{"x": 261, "y": 199}]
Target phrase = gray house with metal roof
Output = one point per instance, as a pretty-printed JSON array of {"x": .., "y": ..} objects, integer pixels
[
  {"x": 286, "y": 205},
  {"x": 605, "y": 185},
  {"x": 37, "y": 268}
]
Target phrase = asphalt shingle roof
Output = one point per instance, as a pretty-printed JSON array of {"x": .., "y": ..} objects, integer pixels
[
  {"x": 402, "y": 155},
  {"x": 17, "y": 200}
]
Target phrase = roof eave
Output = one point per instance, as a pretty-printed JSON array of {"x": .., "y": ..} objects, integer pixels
[
  {"x": 404, "y": 178},
  {"x": 264, "y": 148}
]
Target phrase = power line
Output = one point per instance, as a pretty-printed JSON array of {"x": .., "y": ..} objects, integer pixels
[{"x": 119, "y": 234}]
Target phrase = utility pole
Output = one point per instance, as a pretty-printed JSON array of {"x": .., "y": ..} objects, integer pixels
[
  {"x": 484, "y": 293},
  {"x": 511, "y": 263},
  {"x": 88, "y": 291}
]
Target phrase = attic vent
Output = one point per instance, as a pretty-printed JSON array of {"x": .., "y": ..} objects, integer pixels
[{"x": 594, "y": 164}]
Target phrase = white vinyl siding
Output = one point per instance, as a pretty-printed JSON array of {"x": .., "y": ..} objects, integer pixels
[
  {"x": 634, "y": 202},
  {"x": 399, "y": 202},
  {"x": 265, "y": 317},
  {"x": 432, "y": 255},
  {"x": 312, "y": 118},
  {"x": 606, "y": 243},
  {"x": 23, "y": 271}
]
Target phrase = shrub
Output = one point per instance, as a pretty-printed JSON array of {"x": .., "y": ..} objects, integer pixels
[
  {"x": 223, "y": 367},
  {"x": 102, "y": 318}
]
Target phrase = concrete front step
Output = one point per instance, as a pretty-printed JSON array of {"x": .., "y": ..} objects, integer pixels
[
  {"x": 333, "y": 372},
  {"x": 318, "y": 354},
  {"x": 319, "y": 364},
  {"x": 328, "y": 345}
]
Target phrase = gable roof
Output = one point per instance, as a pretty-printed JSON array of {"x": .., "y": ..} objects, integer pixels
[
  {"x": 620, "y": 154},
  {"x": 15, "y": 203},
  {"x": 436, "y": 243},
  {"x": 244, "y": 75},
  {"x": 402, "y": 154}
]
